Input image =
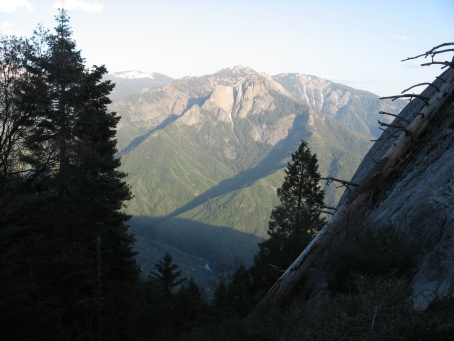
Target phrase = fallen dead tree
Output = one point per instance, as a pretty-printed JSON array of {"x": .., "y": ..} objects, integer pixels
[{"x": 357, "y": 200}]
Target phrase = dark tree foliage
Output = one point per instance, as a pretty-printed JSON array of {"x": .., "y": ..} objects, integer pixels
[
  {"x": 295, "y": 222},
  {"x": 67, "y": 260},
  {"x": 191, "y": 307},
  {"x": 371, "y": 251},
  {"x": 20, "y": 98},
  {"x": 166, "y": 277},
  {"x": 174, "y": 305},
  {"x": 236, "y": 297}
]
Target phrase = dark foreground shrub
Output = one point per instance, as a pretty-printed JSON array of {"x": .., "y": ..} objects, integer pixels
[{"x": 371, "y": 252}]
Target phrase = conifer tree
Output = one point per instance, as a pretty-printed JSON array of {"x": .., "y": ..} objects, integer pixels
[
  {"x": 69, "y": 228},
  {"x": 293, "y": 223},
  {"x": 19, "y": 99},
  {"x": 162, "y": 299},
  {"x": 166, "y": 277}
]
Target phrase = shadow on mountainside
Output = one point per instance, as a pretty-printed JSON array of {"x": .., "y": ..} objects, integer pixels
[
  {"x": 215, "y": 244},
  {"x": 270, "y": 164},
  {"x": 200, "y": 250},
  {"x": 170, "y": 119},
  {"x": 139, "y": 139}
]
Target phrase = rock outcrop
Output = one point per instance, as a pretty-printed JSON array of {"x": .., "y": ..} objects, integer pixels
[
  {"x": 418, "y": 201},
  {"x": 405, "y": 182}
]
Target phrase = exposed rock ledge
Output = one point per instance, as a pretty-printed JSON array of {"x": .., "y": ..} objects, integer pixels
[
  {"x": 409, "y": 188},
  {"x": 419, "y": 200}
]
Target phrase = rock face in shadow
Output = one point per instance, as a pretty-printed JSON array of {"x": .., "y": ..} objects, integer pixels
[{"x": 418, "y": 199}]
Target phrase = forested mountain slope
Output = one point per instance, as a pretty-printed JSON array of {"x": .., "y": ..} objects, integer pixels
[{"x": 205, "y": 155}]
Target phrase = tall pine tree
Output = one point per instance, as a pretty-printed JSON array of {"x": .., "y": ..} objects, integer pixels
[
  {"x": 68, "y": 233},
  {"x": 293, "y": 223}
]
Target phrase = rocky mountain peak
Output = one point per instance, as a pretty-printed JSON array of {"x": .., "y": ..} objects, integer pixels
[
  {"x": 253, "y": 94},
  {"x": 238, "y": 69},
  {"x": 234, "y": 74}
]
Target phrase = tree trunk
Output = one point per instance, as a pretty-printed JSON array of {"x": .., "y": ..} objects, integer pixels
[{"x": 98, "y": 287}]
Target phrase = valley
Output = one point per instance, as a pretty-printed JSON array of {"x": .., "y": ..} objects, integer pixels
[{"x": 205, "y": 155}]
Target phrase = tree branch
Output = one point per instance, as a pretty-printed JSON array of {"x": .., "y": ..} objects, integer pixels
[
  {"x": 400, "y": 126},
  {"x": 394, "y": 115},
  {"x": 445, "y": 63},
  {"x": 414, "y": 86},
  {"x": 312, "y": 210},
  {"x": 431, "y": 52},
  {"x": 424, "y": 98},
  {"x": 328, "y": 207},
  {"x": 331, "y": 179}
]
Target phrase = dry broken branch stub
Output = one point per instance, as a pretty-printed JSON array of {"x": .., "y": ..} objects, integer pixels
[
  {"x": 400, "y": 126},
  {"x": 388, "y": 133}
]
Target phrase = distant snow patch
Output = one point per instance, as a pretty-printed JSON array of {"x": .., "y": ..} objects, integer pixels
[
  {"x": 133, "y": 74},
  {"x": 207, "y": 267}
]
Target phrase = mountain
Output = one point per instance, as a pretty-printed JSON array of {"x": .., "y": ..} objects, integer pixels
[
  {"x": 205, "y": 155},
  {"x": 130, "y": 82}
]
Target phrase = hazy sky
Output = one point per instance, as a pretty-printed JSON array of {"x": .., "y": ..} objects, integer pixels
[{"x": 358, "y": 43}]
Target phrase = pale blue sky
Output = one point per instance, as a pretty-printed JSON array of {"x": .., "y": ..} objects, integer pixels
[{"x": 358, "y": 43}]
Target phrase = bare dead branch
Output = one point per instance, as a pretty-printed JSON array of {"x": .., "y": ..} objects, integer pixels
[
  {"x": 441, "y": 45},
  {"x": 389, "y": 134},
  {"x": 313, "y": 210},
  {"x": 331, "y": 179},
  {"x": 327, "y": 207},
  {"x": 427, "y": 54},
  {"x": 441, "y": 51},
  {"x": 400, "y": 126},
  {"x": 274, "y": 267},
  {"x": 386, "y": 137},
  {"x": 424, "y": 98},
  {"x": 431, "y": 52},
  {"x": 414, "y": 86},
  {"x": 394, "y": 115},
  {"x": 445, "y": 64}
]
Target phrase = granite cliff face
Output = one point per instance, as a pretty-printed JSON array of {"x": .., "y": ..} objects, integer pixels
[
  {"x": 241, "y": 92},
  {"x": 418, "y": 198}
]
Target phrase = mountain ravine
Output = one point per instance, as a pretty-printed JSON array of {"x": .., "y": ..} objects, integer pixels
[{"x": 205, "y": 155}]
